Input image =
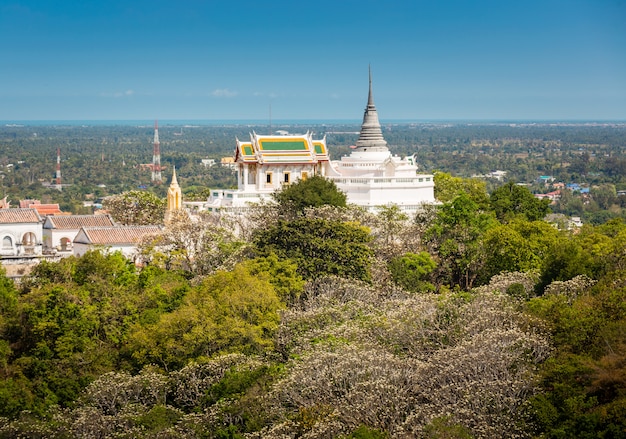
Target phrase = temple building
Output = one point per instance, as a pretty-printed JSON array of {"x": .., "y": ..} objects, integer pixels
[
  {"x": 266, "y": 163},
  {"x": 370, "y": 176}
]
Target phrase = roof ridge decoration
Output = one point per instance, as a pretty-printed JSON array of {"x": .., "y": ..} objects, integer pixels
[{"x": 371, "y": 135}]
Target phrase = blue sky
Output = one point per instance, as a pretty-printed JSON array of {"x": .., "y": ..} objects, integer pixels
[{"x": 192, "y": 59}]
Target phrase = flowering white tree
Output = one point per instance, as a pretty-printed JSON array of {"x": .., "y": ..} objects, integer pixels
[
  {"x": 201, "y": 245},
  {"x": 400, "y": 363}
]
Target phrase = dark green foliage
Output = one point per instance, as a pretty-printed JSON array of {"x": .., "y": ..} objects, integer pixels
[
  {"x": 158, "y": 418},
  {"x": 313, "y": 192},
  {"x": 511, "y": 200},
  {"x": 411, "y": 270},
  {"x": 364, "y": 432},
  {"x": 585, "y": 380},
  {"x": 444, "y": 428},
  {"x": 237, "y": 381},
  {"x": 456, "y": 239},
  {"x": 320, "y": 247}
]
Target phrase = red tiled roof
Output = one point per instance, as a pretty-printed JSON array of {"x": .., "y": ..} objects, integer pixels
[
  {"x": 43, "y": 209},
  {"x": 28, "y": 203},
  {"x": 78, "y": 221},
  {"x": 47, "y": 209},
  {"x": 16, "y": 216},
  {"x": 114, "y": 235}
]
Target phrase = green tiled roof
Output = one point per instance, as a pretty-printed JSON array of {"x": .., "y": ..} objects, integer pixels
[{"x": 295, "y": 145}]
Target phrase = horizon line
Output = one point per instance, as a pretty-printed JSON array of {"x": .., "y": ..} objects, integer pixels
[{"x": 263, "y": 122}]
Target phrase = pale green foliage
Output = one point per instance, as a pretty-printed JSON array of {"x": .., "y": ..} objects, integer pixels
[
  {"x": 517, "y": 246},
  {"x": 135, "y": 207},
  {"x": 447, "y": 188},
  {"x": 283, "y": 275},
  {"x": 228, "y": 312},
  {"x": 394, "y": 233}
]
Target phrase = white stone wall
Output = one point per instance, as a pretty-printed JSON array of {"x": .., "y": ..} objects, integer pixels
[{"x": 15, "y": 242}]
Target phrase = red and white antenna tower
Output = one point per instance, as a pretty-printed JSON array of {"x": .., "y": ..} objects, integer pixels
[
  {"x": 156, "y": 156},
  {"x": 58, "y": 173}
]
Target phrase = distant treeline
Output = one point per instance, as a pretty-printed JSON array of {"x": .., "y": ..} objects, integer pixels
[{"x": 102, "y": 160}]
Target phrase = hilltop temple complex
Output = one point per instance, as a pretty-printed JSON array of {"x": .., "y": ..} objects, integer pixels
[{"x": 370, "y": 176}]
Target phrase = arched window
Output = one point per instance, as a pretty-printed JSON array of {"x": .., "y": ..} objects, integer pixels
[
  {"x": 29, "y": 240},
  {"x": 66, "y": 244},
  {"x": 7, "y": 243}
]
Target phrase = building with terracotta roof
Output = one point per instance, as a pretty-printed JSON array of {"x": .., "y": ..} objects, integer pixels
[
  {"x": 59, "y": 231},
  {"x": 20, "y": 233},
  {"x": 43, "y": 209},
  {"x": 124, "y": 239}
]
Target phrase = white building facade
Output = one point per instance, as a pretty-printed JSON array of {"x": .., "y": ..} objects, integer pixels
[
  {"x": 124, "y": 239},
  {"x": 267, "y": 163},
  {"x": 370, "y": 176},
  {"x": 59, "y": 231},
  {"x": 20, "y": 233}
]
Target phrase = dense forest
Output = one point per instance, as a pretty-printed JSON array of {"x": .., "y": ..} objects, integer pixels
[
  {"x": 97, "y": 161},
  {"x": 473, "y": 319}
]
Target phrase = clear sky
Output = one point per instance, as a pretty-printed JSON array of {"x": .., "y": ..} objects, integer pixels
[{"x": 234, "y": 59}]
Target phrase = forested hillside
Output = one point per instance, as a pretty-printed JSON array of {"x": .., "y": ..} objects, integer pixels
[{"x": 475, "y": 319}]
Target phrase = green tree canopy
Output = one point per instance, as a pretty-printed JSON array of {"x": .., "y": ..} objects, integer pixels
[
  {"x": 320, "y": 247},
  {"x": 456, "y": 239},
  {"x": 517, "y": 246},
  {"x": 513, "y": 200},
  {"x": 230, "y": 311},
  {"x": 448, "y": 187},
  {"x": 313, "y": 192},
  {"x": 411, "y": 270}
]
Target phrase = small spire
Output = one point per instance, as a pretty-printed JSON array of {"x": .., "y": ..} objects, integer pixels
[
  {"x": 370, "y": 96},
  {"x": 174, "y": 180},
  {"x": 174, "y": 197}
]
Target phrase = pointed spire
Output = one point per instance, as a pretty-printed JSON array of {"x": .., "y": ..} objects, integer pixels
[
  {"x": 174, "y": 197},
  {"x": 370, "y": 96},
  {"x": 174, "y": 180},
  {"x": 371, "y": 135}
]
